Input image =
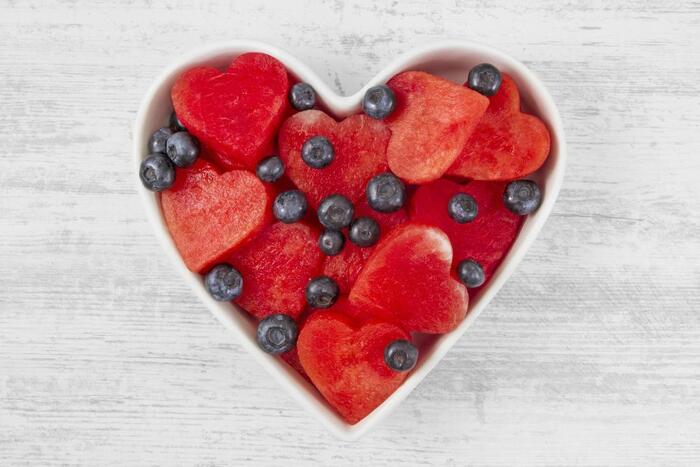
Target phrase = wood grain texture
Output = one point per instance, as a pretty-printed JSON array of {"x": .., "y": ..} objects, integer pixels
[{"x": 590, "y": 355}]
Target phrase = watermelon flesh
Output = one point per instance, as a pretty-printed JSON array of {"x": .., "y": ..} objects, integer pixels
[
  {"x": 407, "y": 281},
  {"x": 209, "y": 214},
  {"x": 345, "y": 361},
  {"x": 276, "y": 266},
  {"x": 506, "y": 144},
  {"x": 431, "y": 123},
  {"x": 359, "y": 143},
  {"x": 237, "y": 113},
  {"x": 487, "y": 238}
]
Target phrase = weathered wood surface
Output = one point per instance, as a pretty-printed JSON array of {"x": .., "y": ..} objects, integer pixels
[{"x": 590, "y": 355}]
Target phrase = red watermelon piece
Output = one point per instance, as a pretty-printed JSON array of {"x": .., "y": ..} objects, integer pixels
[
  {"x": 359, "y": 143},
  {"x": 488, "y": 238},
  {"x": 432, "y": 121},
  {"x": 506, "y": 144},
  {"x": 346, "y": 266},
  {"x": 345, "y": 362},
  {"x": 408, "y": 281},
  {"x": 210, "y": 214},
  {"x": 236, "y": 112},
  {"x": 276, "y": 266}
]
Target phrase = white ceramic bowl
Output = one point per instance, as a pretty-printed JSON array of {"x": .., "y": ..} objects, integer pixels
[{"x": 451, "y": 60}]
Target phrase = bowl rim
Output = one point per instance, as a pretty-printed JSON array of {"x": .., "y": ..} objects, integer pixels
[{"x": 341, "y": 106}]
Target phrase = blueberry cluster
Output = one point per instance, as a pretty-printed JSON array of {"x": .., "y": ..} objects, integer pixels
[
  {"x": 168, "y": 147},
  {"x": 336, "y": 212}
]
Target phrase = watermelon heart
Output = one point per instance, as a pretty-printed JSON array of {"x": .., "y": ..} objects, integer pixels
[
  {"x": 433, "y": 119},
  {"x": 506, "y": 143},
  {"x": 276, "y": 266},
  {"x": 210, "y": 214},
  {"x": 487, "y": 238},
  {"x": 359, "y": 143},
  {"x": 345, "y": 361},
  {"x": 236, "y": 112},
  {"x": 408, "y": 281}
]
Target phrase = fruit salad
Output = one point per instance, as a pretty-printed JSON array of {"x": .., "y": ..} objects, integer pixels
[{"x": 345, "y": 239}]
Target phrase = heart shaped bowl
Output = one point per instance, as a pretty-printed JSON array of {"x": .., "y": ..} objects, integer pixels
[{"x": 452, "y": 60}]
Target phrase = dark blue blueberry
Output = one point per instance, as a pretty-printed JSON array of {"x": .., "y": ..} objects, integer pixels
[
  {"x": 302, "y": 96},
  {"x": 335, "y": 212},
  {"x": 224, "y": 283},
  {"x": 400, "y": 355},
  {"x": 277, "y": 334},
  {"x": 176, "y": 124},
  {"x": 156, "y": 143},
  {"x": 317, "y": 152},
  {"x": 484, "y": 79},
  {"x": 157, "y": 172},
  {"x": 290, "y": 206},
  {"x": 386, "y": 193},
  {"x": 462, "y": 208},
  {"x": 522, "y": 197},
  {"x": 331, "y": 242},
  {"x": 182, "y": 149},
  {"x": 364, "y": 231},
  {"x": 470, "y": 273},
  {"x": 270, "y": 169},
  {"x": 379, "y": 101},
  {"x": 322, "y": 292}
]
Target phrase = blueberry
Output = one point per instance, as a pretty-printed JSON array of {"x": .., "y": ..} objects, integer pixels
[
  {"x": 270, "y": 169},
  {"x": 379, "y": 101},
  {"x": 322, "y": 292},
  {"x": 182, "y": 149},
  {"x": 470, "y": 273},
  {"x": 400, "y": 355},
  {"x": 364, "y": 231},
  {"x": 157, "y": 172},
  {"x": 176, "y": 124},
  {"x": 156, "y": 143},
  {"x": 335, "y": 212},
  {"x": 302, "y": 96},
  {"x": 331, "y": 242},
  {"x": 224, "y": 283},
  {"x": 317, "y": 152},
  {"x": 386, "y": 193},
  {"x": 522, "y": 197},
  {"x": 290, "y": 206},
  {"x": 277, "y": 334},
  {"x": 485, "y": 79},
  {"x": 462, "y": 208}
]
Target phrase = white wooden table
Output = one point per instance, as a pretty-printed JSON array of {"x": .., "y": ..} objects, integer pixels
[{"x": 590, "y": 355}]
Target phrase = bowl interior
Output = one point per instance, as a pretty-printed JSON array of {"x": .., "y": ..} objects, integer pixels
[{"x": 451, "y": 60}]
